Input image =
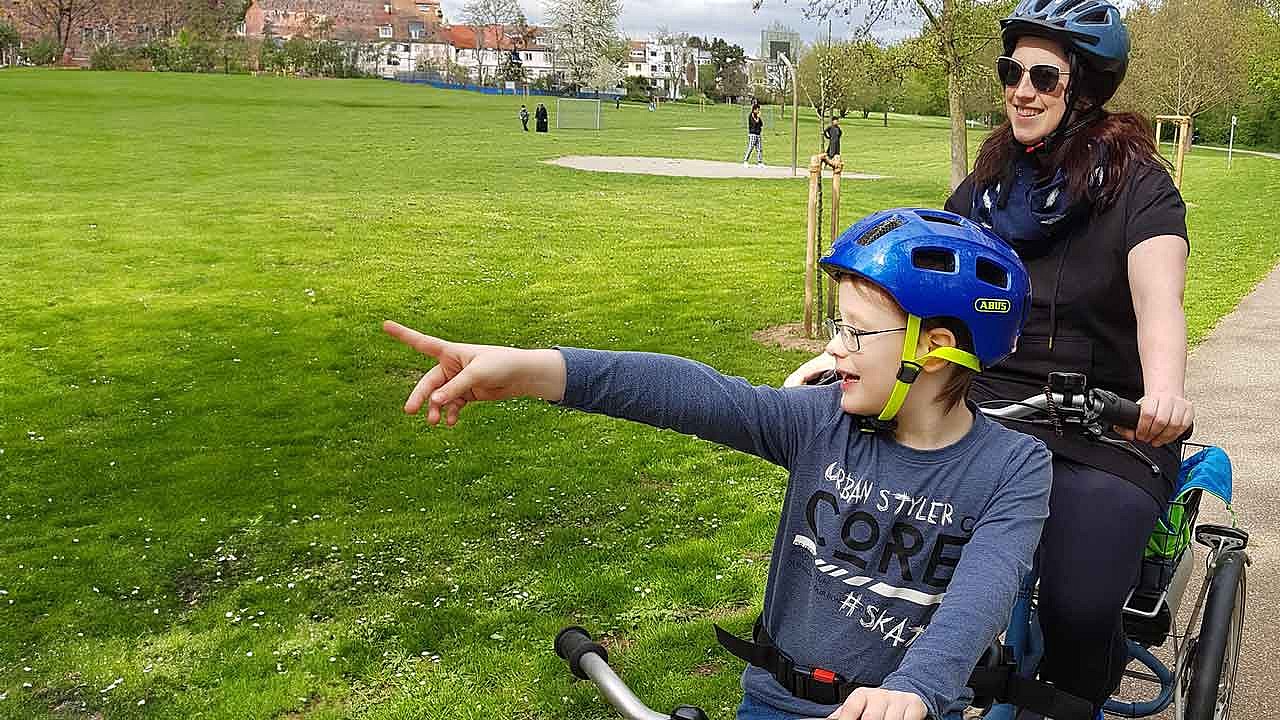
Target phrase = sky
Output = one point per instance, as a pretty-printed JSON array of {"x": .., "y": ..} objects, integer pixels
[{"x": 732, "y": 20}]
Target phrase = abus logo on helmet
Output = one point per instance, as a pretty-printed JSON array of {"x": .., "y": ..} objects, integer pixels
[{"x": 991, "y": 305}]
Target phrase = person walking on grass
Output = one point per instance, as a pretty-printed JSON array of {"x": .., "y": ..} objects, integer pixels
[
  {"x": 540, "y": 115},
  {"x": 755, "y": 130},
  {"x": 524, "y": 117}
]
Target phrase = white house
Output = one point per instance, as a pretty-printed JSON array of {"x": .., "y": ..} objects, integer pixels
[
  {"x": 660, "y": 66},
  {"x": 531, "y": 47}
]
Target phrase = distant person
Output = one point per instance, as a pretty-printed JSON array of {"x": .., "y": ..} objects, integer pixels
[
  {"x": 524, "y": 117},
  {"x": 540, "y": 118},
  {"x": 832, "y": 134},
  {"x": 617, "y": 102},
  {"x": 755, "y": 130}
]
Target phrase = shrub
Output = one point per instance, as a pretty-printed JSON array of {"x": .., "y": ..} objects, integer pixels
[{"x": 44, "y": 51}]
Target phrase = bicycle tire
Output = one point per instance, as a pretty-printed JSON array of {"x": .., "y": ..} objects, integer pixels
[{"x": 1217, "y": 654}]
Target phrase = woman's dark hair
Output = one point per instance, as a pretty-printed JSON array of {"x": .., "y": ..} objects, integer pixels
[{"x": 1125, "y": 139}]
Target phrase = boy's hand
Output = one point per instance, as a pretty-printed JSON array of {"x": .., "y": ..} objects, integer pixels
[
  {"x": 811, "y": 369},
  {"x": 466, "y": 373},
  {"x": 881, "y": 704}
]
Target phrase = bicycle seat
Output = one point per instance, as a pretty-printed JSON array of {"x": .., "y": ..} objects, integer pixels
[{"x": 1228, "y": 537}]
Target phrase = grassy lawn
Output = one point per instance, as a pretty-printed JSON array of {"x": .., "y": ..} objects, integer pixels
[{"x": 210, "y": 503}]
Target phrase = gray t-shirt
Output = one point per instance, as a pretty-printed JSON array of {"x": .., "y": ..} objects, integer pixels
[{"x": 873, "y": 535}]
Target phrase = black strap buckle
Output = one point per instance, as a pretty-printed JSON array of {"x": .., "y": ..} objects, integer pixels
[
  {"x": 817, "y": 685},
  {"x": 909, "y": 371}
]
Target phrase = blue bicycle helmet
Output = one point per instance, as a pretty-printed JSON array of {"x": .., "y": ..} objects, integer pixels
[
  {"x": 936, "y": 263},
  {"x": 1091, "y": 29}
]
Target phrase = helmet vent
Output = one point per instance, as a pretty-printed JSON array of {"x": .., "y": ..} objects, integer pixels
[
  {"x": 992, "y": 274},
  {"x": 1041, "y": 5},
  {"x": 943, "y": 219},
  {"x": 1069, "y": 5},
  {"x": 934, "y": 259},
  {"x": 1097, "y": 17},
  {"x": 880, "y": 231}
]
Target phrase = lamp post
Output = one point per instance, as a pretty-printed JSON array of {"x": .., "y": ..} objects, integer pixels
[{"x": 795, "y": 105}]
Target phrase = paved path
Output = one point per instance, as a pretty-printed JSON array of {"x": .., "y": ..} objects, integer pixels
[
  {"x": 1236, "y": 391},
  {"x": 1273, "y": 156},
  {"x": 683, "y": 167}
]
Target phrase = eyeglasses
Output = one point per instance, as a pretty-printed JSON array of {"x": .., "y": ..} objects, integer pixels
[
  {"x": 850, "y": 335},
  {"x": 1044, "y": 78}
]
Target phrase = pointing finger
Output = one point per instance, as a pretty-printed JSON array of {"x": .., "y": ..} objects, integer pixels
[{"x": 423, "y": 343}]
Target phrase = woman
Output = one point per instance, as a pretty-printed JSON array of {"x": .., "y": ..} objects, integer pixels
[{"x": 1084, "y": 198}]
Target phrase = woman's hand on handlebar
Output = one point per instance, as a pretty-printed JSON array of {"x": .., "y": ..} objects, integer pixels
[
  {"x": 878, "y": 704},
  {"x": 811, "y": 369},
  {"x": 1165, "y": 417}
]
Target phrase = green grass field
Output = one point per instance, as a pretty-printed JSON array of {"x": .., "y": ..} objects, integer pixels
[{"x": 210, "y": 503}]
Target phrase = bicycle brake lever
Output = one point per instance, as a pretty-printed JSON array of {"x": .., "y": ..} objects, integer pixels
[{"x": 1128, "y": 447}]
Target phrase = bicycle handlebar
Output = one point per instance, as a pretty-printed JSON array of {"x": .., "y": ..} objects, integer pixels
[
  {"x": 588, "y": 660},
  {"x": 1102, "y": 405}
]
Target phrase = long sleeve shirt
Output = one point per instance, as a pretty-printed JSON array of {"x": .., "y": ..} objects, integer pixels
[{"x": 893, "y": 566}]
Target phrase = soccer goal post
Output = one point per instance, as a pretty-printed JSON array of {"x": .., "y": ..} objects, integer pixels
[{"x": 577, "y": 114}]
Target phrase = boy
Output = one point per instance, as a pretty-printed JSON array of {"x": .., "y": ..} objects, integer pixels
[
  {"x": 832, "y": 134},
  {"x": 900, "y": 495},
  {"x": 524, "y": 117},
  {"x": 755, "y": 129}
]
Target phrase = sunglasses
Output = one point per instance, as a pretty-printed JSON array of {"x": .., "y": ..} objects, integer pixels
[{"x": 1044, "y": 78}]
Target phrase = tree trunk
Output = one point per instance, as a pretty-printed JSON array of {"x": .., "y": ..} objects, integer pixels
[
  {"x": 959, "y": 133},
  {"x": 955, "y": 98}
]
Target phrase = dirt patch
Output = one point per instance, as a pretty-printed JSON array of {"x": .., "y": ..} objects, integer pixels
[
  {"x": 707, "y": 669},
  {"x": 789, "y": 337}
]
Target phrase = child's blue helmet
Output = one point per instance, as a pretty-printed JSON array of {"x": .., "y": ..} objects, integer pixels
[
  {"x": 1092, "y": 29},
  {"x": 939, "y": 264}
]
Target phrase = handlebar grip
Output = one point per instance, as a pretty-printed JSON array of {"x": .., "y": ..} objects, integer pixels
[
  {"x": 572, "y": 643},
  {"x": 1117, "y": 410}
]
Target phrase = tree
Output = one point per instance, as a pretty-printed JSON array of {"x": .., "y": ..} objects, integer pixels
[
  {"x": 1176, "y": 67},
  {"x": 57, "y": 18},
  {"x": 707, "y": 81},
  {"x": 875, "y": 77},
  {"x": 637, "y": 87},
  {"x": 826, "y": 76},
  {"x": 214, "y": 19},
  {"x": 681, "y": 57},
  {"x": 955, "y": 31},
  {"x": 733, "y": 82},
  {"x": 725, "y": 55},
  {"x": 512, "y": 69},
  {"x": 484, "y": 14},
  {"x": 610, "y": 65},
  {"x": 9, "y": 41},
  {"x": 581, "y": 33}
]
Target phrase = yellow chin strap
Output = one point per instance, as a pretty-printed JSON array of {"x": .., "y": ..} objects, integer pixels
[{"x": 912, "y": 365}]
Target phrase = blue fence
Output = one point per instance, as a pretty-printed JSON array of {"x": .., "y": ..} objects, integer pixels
[{"x": 422, "y": 79}]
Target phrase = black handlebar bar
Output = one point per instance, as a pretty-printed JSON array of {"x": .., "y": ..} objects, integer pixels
[
  {"x": 572, "y": 643},
  {"x": 1116, "y": 410}
]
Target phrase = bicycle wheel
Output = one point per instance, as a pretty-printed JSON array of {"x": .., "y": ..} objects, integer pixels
[{"x": 1217, "y": 651}]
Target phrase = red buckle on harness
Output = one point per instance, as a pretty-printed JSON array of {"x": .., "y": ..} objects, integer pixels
[{"x": 825, "y": 676}]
